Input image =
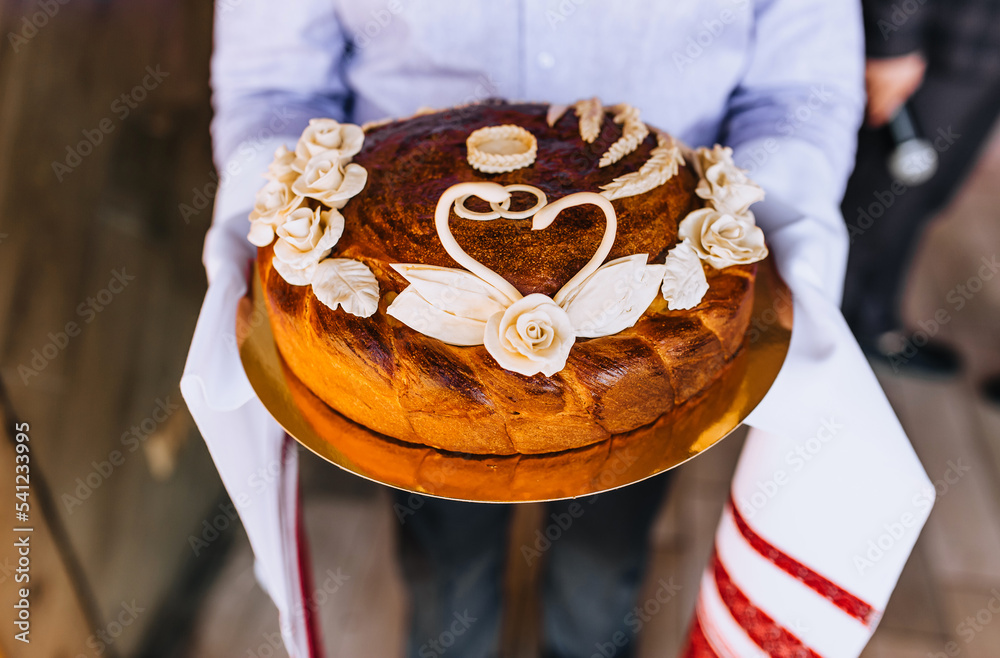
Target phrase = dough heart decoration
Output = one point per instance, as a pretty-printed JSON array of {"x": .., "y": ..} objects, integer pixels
[{"x": 527, "y": 334}]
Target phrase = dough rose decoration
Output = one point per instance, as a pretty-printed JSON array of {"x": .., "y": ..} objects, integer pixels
[
  {"x": 723, "y": 184},
  {"x": 274, "y": 202},
  {"x": 304, "y": 239},
  {"x": 328, "y": 137},
  {"x": 724, "y": 232},
  {"x": 532, "y": 335},
  {"x": 280, "y": 170},
  {"x": 721, "y": 239},
  {"x": 329, "y": 182},
  {"x": 298, "y": 210},
  {"x": 527, "y": 334}
]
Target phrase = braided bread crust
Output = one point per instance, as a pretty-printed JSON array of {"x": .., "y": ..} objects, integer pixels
[{"x": 401, "y": 383}]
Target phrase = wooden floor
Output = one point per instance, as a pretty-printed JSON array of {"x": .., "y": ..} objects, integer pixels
[
  {"x": 953, "y": 573},
  {"x": 114, "y": 537}
]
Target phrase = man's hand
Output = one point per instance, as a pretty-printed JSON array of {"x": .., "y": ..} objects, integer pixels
[{"x": 890, "y": 82}]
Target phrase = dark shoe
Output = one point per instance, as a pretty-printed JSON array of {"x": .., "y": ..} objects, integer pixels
[
  {"x": 991, "y": 390},
  {"x": 913, "y": 354}
]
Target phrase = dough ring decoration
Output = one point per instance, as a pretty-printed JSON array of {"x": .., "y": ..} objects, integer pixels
[
  {"x": 499, "y": 149},
  {"x": 502, "y": 209}
]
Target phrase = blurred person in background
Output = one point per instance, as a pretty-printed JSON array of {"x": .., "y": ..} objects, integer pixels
[
  {"x": 729, "y": 71},
  {"x": 937, "y": 61}
]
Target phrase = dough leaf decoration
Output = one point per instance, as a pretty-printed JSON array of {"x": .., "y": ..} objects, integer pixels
[{"x": 346, "y": 283}]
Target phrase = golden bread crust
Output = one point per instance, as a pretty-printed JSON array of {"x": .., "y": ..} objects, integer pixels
[{"x": 401, "y": 383}]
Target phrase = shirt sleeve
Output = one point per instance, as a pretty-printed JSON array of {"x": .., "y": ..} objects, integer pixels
[
  {"x": 274, "y": 67},
  {"x": 792, "y": 122}
]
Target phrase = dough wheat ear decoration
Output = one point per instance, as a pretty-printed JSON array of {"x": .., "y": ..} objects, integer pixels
[
  {"x": 663, "y": 163},
  {"x": 591, "y": 114},
  {"x": 633, "y": 132},
  {"x": 527, "y": 334}
]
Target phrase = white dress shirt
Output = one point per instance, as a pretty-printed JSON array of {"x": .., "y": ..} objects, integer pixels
[{"x": 779, "y": 80}]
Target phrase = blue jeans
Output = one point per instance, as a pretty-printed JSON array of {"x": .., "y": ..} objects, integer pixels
[{"x": 595, "y": 550}]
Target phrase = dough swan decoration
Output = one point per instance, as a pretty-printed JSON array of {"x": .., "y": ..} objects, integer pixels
[{"x": 527, "y": 334}]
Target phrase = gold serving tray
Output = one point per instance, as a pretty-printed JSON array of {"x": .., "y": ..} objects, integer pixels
[{"x": 619, "y": 461}]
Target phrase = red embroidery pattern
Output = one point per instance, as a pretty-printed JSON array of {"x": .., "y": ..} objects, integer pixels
[
  {"x": 829, "y": 590},
  {"x": 770, "y": 636}
]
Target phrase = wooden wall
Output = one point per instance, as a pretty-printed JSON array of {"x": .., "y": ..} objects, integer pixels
[{"x": 90, "y": 187}]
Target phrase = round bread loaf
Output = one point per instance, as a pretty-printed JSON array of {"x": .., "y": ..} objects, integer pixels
[{"x": 404, "y": 384}]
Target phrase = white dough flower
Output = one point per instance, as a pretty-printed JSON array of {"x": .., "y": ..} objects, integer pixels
[
  {"x": 534, "y": 335},
  {"x": 706, "y": 157},
  {"x": 271, "y": 207},
  {"x": 724, "y": 185},
  {"x": 335, "y": 140},
  {"x": 684, "y": 282},
  {"x": 328, "y": 181},
  {"x": 281, "y": 170},
  {"x": 722, "y": 239},
  {"x": 304, "y": 239}
]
